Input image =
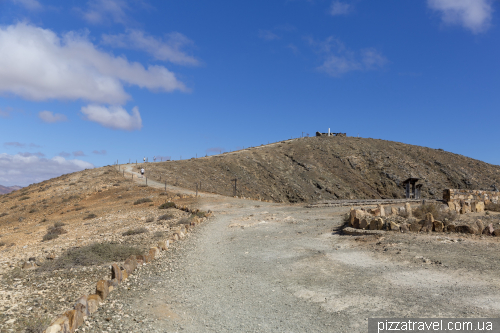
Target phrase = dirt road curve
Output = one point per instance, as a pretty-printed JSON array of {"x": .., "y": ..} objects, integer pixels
[{"x": 260, "y": 267}]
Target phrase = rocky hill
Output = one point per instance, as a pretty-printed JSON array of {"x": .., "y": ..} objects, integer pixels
[
  {"x": 8, "y": 189},
  {"x": 325, "y": 168}
]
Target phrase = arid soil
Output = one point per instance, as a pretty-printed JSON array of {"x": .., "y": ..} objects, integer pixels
[
  {"x": 322, "y": 168},
  {"x": 26, "y": 215}
]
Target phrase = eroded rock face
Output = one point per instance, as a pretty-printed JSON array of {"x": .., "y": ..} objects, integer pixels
[
  {"x": 404, "y": 227},
  {"x": 75, "y": 319},
  {"x": 408, "y": 209},
  {"x": 427, "y": 225},
  {"x": 393, "y": 226},
  {"x": 438, "y": 226},
  {"x": 377, "y": 224},
  {"x": 355, "y": 216},
  {"x": 116, "y": 273}
]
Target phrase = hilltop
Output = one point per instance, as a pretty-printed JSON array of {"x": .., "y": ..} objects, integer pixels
[{"x": 326, "y": 168}]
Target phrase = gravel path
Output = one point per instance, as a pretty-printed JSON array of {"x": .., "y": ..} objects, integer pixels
[{"x": 261, "y": 267}]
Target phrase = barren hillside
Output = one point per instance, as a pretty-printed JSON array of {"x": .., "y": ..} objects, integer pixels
[{"x": 319, "y": 168}]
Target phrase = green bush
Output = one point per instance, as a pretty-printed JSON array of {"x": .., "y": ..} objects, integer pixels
[
  {"x": 143, "y": 200},
  {"x": 166, "y": 205},
  {"x": 135, "y": 231},
  {"x": 94, "y": 254}
]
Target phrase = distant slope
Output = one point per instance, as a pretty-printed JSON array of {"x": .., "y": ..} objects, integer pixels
[
  {"x": 8, "y": 189},
  {"x": 318, "y": 168}
]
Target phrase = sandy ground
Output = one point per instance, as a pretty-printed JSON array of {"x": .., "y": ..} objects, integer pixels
[{"x": 262, "y": 267}]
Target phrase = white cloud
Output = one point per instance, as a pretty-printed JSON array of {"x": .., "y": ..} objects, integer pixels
[
  {"x": 37, "y": 64},
  {"x": 338, "y": 59},
  {"x": 268, "y": 35},
  {"x": 49, "y": 117},
  {"x": 114, "y": 117},
  {"x": 340, "y": 8},
  {"x": 25, "y": 170},
  {"x": 169, "y": 49},
  {"x": 29, "y": 4},
  {"x": 474, "y": 15},
  {"x": 100, "y": 11}
]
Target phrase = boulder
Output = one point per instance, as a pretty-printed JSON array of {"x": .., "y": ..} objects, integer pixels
[
  {"x": 75, "y": 319},
  {"x": 124, "y": 275},
  {"x": 496, "y": 233},
  {"x": 480, "y": 207},
  {"x": 488, "y": 230},
  {"x": 464, "y": 207},
  {"x": 130, "y": 264},
  {"x": 29, "y": 265},
  {"x": 60, "y": 325},
  {"x": 408, "y": 209},
  {"x": 102, "y": 289},
  {"x": 451, "y": 205},
  {"x": 116, "y": 273},
  {"x": 429, "y": 218},
  {"x": 450, "y": 228},
  {"x": 93, "y": 303},
  {"x": 363, "y": 224},
  {"x": 438, "y": 226},
  {"x": 394, "y": 211},
  {"x": 480, "y": 227},
  {"x": 465, "y": 229},
  {"x": 377, "y": 224},
  {"x": 393, "y": 226},
  {"x": 374, "y": 211},
  {"x": 404, "y": 227},
  {"x": 154, "y": 252},
  {"x": 162, "y": 245},
  {"x": 355, "y": 216},
  {"x": 382, "y": 210},
  {"x": 81, "y": 305}
]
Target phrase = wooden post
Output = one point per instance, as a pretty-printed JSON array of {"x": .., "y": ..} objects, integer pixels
[
  {"x": 234, "y": 192},
  {"x": 123, "y": 173}
]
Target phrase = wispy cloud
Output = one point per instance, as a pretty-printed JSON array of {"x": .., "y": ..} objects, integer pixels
[
  {"x": 64, "y": 154},
  {"x": 340, "y": 8},
  {"x": 474, "y": 15},
  {"x": 37, "y": 64},
  {"x": 99, "y": 152},
  {"x": 268, "y": 35},
  {"x": 29, "y": 4},
  {"x": 27, "y": 154},
  {"x": 338, "y": 59},
  {"x": 100, "y": 11},
  {"x": 4, "y": 113},
  {"x": 168, "y": 49},
  {"x": 34, "y": 145},
  {"x": 15, "y": 144},
  {"x": 49, "y": 117},
  {"x": 78, "y": 153},
  {"x": 23, "y": 170},
  {"x": 114, "y": 117}
]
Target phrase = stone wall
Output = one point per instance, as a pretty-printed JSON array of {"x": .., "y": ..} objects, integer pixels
[{"x": 451, "y": 195}]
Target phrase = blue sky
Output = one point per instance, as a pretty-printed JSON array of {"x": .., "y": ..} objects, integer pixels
[{"x": 86, "y": 83}]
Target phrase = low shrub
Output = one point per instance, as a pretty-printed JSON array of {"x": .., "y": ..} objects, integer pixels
[
  {"x": 2, "y": 244},
  {"x": 4, "y": 214},
  {"x": 166, "y": 205},
  {"x": 166, "y": 217},
  {"x": 24, "y": 198},
  {"x": 143, "y": 200},
  {"x": 54, "y": 231},
  {"x": 33, "y": 211},
  {"x": 159, "y": 234},
  {"x": 150, "y": 219},
  {"x": 14, "y": 207},
  {"x": 94, "y": 254},
  {"x": 492, "y": 207},
  {"x": 136, "y": 231},
  {"x": 90, "y": 216},
  {"x": 199, "y": 214},
  {"x": 436, "y": 210}
]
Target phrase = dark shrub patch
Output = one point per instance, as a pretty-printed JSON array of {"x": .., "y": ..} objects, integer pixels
[
  {"x": 135, "y": 231},
  {"x": 24, "y": 198},
  {"x": 34, "y": 325},
  {"x": 143, "y": 200},
  {"x": 4, "y": 214},
  {"x": 54, "y": 231},
  {"x": 150, "y": 219},
  {"x": 94, "y": 254},
  {"x": 166, "y": 205},
  {"x": 166, "y": 217},
  {"x": 90, "y": 216}
]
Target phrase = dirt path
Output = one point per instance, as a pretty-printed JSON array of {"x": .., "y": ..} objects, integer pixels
[{"x": 260, "y": 267}]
